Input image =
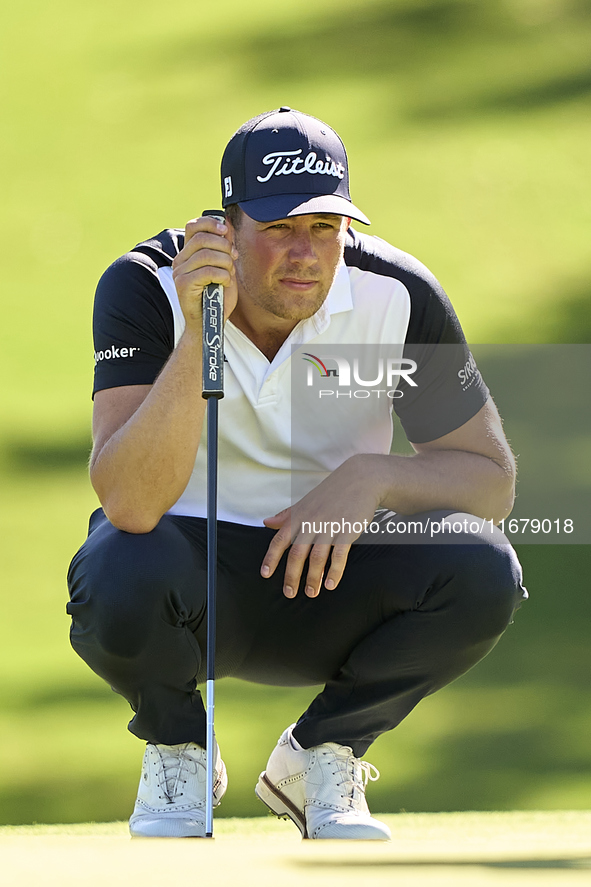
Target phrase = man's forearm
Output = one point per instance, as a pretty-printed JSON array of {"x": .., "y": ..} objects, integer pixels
[
  {"x": 141, "y": 469},
  {"x": 440, "y": 478},
  {"x": 454, "y": 479}
]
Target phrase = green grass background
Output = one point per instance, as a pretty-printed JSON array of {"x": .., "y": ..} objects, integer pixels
[{"x": 468, "y": 125}]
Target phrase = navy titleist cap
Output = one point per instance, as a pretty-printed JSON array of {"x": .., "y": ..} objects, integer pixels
[{"x": 285, "y": 163}]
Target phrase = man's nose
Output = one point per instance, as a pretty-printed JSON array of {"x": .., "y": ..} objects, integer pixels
[{"x": 301, "y": 249}]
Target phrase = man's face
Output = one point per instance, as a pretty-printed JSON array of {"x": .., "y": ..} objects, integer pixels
[{"x": 287, "y": 267}]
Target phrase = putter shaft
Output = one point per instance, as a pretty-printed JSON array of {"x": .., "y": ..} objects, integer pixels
[{"x": 213, "y": 390}]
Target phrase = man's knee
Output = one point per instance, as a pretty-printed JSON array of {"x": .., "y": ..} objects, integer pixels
[
  {"x": 121, "y": 582},
  {"x": 486, "y": 583}
]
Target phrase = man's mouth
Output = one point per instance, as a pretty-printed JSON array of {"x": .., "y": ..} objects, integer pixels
[{"x": 298, "y": 282}]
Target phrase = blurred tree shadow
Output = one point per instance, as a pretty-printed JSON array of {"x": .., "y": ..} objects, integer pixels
[
  {"x": 554, "y": 90},
  {"x": 572, "y": 319},
  {"x": 27, "y": 456},
  {"x": 446, "y": 58}
]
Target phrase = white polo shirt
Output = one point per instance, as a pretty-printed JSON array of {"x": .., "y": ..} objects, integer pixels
[{"x": 283, "y": 428}]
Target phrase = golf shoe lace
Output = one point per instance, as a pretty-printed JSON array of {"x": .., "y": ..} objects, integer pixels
[
  {"x": 174, "y": 766},
  {"x": 353, "y": 774}
]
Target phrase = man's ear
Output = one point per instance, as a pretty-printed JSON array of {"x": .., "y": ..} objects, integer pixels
[{"x": 231, "y": 231}]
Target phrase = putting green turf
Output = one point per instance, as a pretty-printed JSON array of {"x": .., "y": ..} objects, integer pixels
[{"x": 475, "y": 849}]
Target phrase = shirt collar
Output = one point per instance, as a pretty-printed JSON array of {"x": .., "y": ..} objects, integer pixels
[{"x": 339, "y": 299}]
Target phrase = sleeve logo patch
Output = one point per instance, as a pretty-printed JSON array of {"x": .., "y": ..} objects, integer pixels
[
  {"x": 113, "y": 353},
  {"x": 469, "y": 373}
]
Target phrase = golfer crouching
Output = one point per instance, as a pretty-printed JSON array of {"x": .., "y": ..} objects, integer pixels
[{"x": 335, "y": 564}]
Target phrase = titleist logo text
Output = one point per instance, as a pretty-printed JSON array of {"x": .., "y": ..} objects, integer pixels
[{"x": 286, "y": 163}]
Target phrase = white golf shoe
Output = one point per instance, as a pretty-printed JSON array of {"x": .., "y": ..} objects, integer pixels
[
  {"x": 322, "y": 789},
  {"x": 171, "y": 796}
]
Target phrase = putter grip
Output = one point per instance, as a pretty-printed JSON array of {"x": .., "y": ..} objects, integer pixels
[{"x": 213, "y": 332}]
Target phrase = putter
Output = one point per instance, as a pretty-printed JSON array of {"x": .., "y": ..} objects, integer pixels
[{"x": 213, "y": 390}]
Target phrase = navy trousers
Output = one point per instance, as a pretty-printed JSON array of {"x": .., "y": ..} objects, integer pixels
[{"x": 405, "y": 620}]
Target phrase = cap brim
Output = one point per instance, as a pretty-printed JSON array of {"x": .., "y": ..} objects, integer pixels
[{"x": 281, "y": 206}]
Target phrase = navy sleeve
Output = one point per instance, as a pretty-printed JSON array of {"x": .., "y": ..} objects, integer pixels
[
  {"x": 132, "y": 324},
  {"x": 449, "y": 388},
  {"x": 449, "y": 391}
]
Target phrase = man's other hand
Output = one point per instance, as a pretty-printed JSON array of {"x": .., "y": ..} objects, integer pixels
[{"x": 320, "y": 527}]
